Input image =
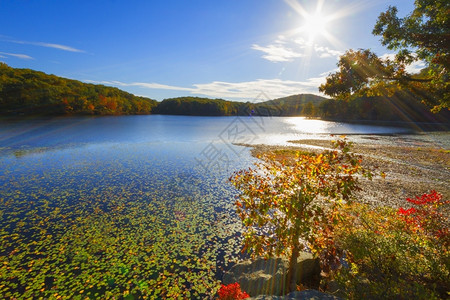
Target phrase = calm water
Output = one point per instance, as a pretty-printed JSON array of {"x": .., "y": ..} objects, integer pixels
[
  {"x": 71, "y": 132},
  {"x": 131, "y": 205}
]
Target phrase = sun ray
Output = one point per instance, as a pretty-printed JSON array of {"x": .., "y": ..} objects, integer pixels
[{"x": 314, "y": 23}]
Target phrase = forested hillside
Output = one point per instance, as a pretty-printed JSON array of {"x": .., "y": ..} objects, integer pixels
[
  {"x": 297, "y": 105},
  {"x": 24, "y": 91},
  {"x": 196, "y": 106}
]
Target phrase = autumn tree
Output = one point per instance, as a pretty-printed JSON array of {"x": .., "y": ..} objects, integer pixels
[
  {"x": 24, "y": 91},
  {"x": 309, "y": 109},
  {"x": 422, "y": 35},
  {"x": 282, "y": 203}
]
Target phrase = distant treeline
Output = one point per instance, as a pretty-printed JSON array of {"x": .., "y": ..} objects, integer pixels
[
  {"x": 401, "y": 107},
  {"x": 296, "y": 105},
  {"x": 24, "y": 92}
]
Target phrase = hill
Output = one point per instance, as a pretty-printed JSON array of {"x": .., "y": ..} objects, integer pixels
[
  {"x": 295, "y": 105},
  {"x": 29, "y": 92},
  {"x": 196, "y": 106},
  {"x": 304, "y": 104},
  {"x": 25, "y": 91}
]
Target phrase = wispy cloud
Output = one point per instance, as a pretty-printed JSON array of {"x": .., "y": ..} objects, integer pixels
[
  {"x": 16, "y": 55},
  {"x": 142, "y": 85},
  {"x": 274, "y": 88},
  {"x": 277, "y": 52},
  {"x": 325, "y": 74},
  {"x": 324, "y": 52},
  {"x": 47, "y": 45},
  {"x": 159, "y": 86},
  {"x": 413, "y": 68},
  {"x": 390, "y": 56},
  {"x": 57, "y": 46},
  {"x": 282, "y": 50},
  {"x": 247, "y": 90}
]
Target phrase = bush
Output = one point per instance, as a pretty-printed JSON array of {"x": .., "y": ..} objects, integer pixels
[
  {"x": 232, "y": 292},
  {"x": 395, "y": 254},
  {"x": 284, "y": 202}
]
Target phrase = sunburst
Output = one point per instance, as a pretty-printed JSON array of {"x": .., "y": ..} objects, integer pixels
[{"x": 315, "y": 23}]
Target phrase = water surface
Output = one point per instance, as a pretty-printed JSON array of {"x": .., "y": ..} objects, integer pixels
[{"x": 129, "y": 205}]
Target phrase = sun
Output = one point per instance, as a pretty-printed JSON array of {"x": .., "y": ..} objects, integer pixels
[
  {"x": 314, "y": 25},
  {"x": 312, "y": 22}
]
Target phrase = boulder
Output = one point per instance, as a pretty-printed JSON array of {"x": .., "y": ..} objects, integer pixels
[
  {"x": 269, "y": 276},
  {"x": 308, "y": 270},
  {"x": 259, "y": 276}
]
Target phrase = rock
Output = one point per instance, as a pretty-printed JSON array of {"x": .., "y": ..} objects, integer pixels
[
  {"x": 308, "y": 270},
  {"x": 259, "y": 276},
  {"x": 336, "y": 289},
  {"x": 333, "y": 287},
  {"x": 268, "y": 277},
  {"x": 304, "y": 295}
]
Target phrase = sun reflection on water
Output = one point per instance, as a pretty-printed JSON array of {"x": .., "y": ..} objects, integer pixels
[{"x": 310, "y": 126}]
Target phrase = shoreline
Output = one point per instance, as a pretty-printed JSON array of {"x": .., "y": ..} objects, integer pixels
[
  {"x": 421, "y": 126},
  {"x": 412, "y": 126},
  {"x": 412, "y": 167}
]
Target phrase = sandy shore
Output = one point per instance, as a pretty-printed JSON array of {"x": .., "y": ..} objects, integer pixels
[{"x": 412, "y": 166}]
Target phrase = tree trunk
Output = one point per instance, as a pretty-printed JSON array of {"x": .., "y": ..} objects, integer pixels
[{"x": 292, "y": 272}]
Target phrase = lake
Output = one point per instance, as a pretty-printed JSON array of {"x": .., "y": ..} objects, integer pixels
[{"x": 129, "y": 206}]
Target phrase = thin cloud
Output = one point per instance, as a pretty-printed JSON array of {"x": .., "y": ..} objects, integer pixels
[
  {"x": 277, "y": 52},
  {"x": 324, "y": 52},
  {"x": 390, "y": 56},
  {"x": 282, "y": 50},
  {"x": 57, "y": 46},
  {"x": 275, "y": 88},
  {"x": 142, "y": 85},
  {"x": 327, "y": 73},
  {"x": 413, "y": 68},
  {"x": 16, "y": 55},
  {"x": 160, "y": 86},
  {"x": 47, "y": 45}
]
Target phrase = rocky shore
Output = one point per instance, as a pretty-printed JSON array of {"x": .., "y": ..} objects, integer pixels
[{"x": 413, "y": 164}]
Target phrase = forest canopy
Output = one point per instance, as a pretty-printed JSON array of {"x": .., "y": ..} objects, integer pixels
[
  {"x": 28, "y": 92},
  {"x": 296, "y": 105},
  {"x": 423, "y": 35},
  {"x": 25, "y": 91}
]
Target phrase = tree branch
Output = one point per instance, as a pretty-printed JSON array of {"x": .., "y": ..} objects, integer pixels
[{"x": 407, "y": 78}]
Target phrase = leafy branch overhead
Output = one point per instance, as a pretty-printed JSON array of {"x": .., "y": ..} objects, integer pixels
[{"x": 423, "y": 36}]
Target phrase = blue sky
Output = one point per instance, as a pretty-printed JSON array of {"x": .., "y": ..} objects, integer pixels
[{"x": 232, "y": 49}]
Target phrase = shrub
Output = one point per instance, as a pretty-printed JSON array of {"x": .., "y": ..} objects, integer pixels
[
  {"x": 284, "y": 202},
  {"x": 395, "y": 254},
  {"x": 232, "y": 292}
]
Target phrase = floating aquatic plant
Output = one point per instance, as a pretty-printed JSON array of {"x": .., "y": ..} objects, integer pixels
[{"x": 102, "y": 223}]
